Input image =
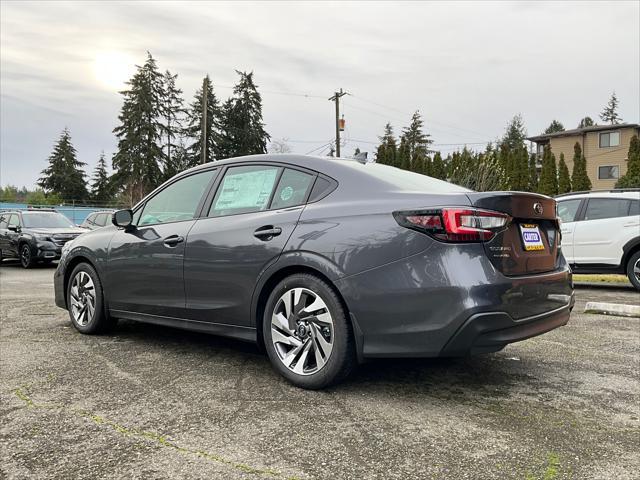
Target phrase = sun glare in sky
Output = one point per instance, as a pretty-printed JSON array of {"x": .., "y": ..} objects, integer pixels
[{"x": 112, "y": 69}]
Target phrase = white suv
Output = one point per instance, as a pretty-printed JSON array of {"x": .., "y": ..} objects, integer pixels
[{"x": 601, "y": 232}]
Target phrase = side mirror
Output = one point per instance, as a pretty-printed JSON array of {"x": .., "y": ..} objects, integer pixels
[
  {"x": 13, "y": 228},
  {"x": 122, "y": 218}
]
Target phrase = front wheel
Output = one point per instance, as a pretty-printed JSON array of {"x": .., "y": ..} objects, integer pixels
[
  {"x": 85, "y": 301},
  {"x": 26, "y": 258},
  {"x": 307, "y": 334},
  {"x": 633, "y": 270}
]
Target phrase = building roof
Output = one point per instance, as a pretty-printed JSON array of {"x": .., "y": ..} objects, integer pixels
[{"x": 581, "y": 131}]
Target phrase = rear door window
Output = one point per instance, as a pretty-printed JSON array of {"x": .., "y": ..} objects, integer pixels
[
  {"x": 567, "y": 210},
  {"x": 599, "y": 208},
  {"x": 634, "y": 209},
  {"x": 4, "y": 221},
  {"x": 292, "y": 188},
  {"x": 244, "y": 189}
]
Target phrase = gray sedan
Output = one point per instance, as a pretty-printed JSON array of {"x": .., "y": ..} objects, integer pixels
[{"x": 325, "y": 263}]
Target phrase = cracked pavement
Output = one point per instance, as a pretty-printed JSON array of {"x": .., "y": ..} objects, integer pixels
[{"x": 153, "y": 402}]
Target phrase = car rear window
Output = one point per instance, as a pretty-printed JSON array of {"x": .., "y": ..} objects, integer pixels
[
  {"x": 405, "y": 180},
  {"x": 599, "y": 208}
]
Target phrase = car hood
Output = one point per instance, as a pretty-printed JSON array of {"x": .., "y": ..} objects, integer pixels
[{"x": 57, "y": 231}]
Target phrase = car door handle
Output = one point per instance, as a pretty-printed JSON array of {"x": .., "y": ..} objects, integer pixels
[
  {"x": 173, "y": 240},
  {"x": 267, "y": 232}
]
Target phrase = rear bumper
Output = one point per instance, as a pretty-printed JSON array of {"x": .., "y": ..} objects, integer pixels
[{"x": 490, "y": 332}]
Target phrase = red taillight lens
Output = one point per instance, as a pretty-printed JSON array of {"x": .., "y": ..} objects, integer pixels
[{"x": 453, "y": 224}]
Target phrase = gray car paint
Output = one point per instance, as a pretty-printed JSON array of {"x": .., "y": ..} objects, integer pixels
[{"x": 407, "y": 293}]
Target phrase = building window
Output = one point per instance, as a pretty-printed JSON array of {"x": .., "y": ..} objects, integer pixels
[
  {"x": 608, "y": 172},
  {"x": 609, "y": 139}
]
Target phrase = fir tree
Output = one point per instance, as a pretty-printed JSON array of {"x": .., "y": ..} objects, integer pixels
[
  {"x": 438, "y": 168},
  {"x": 138, "y": 160},
  {"x": 417, "y": 142},
  {"x": 548, "y": 184},
  {"x": 579, "y": 178},
  {"x": 101, "y": 186},
  {"x": 610, "y": 112},
  {"x": 194, "y": 128},
  {"x": 404, "y": 156},
  {"x": 172, "y": 111},
  {"x": 64, "y": 176},
  {"x": 533, "y": 173},
  {"x": 515, "y": 133},
  {"x": 631, "y": 179},
  {"x": 564, "y": 181},
  {"x": 417, "y": 165},
  {"x": 242, "y": 126},
  {"x": 586, "y": 122},
  {"x": 387, "y": 151},
  {"x": 554, "y": 127}
]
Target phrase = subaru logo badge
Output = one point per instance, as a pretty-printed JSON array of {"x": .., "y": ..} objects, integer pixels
[{"x": 537, "y": 207}]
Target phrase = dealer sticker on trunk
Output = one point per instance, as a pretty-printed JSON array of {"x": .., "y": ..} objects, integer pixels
[{"x": 531, "y": 237}]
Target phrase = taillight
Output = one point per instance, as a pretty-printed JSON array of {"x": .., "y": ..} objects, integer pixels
[{"x": 452, "y": 224}]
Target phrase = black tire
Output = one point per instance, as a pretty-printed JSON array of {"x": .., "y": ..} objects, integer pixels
[
  {"x": 634, "y": 278},
  {"x": 342, "y": 358},
  {"x": 26, "y": 256},
  {"x": 99, "y": 322}
]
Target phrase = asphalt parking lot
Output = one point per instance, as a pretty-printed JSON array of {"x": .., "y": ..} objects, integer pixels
[{"x": 152, "y": 402}]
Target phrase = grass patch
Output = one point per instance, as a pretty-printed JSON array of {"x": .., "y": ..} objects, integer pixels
[{"x": 601, "y": 278}]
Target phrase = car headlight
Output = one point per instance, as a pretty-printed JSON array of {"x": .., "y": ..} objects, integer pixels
[{"x": 41, "y": 236}]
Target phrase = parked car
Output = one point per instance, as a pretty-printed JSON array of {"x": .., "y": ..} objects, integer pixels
[
  {"x": 97, "y": 219},
  {"x": 601, "y": 232},
  {"x": 35, "y": 235},
  {"x": 325, "y": 262}
]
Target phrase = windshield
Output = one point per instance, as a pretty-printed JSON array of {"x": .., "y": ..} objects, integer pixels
[{"x": 46, "y": 220}]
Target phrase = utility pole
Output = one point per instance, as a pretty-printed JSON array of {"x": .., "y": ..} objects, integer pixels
[
  {"x": 336, "y": 98},
  {"x": 205, "y": 100}
]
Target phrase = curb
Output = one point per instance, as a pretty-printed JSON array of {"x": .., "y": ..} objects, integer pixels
[
  {"x": 604, "y": 285},
  {"x": 618, "y": 309}
]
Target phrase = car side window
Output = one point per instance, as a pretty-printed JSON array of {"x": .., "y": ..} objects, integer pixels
[
  {"x": 4, "y": 221},
  {"x": 14, "y": 220},
  {"x": 178, "y": 201},
  {"x": 634, "y": 208},
  {"x": 101, "y": 219},
  {"x": 292, "y": 188},
  {"x": 89, "y": 219},
  {"x": 244, "y": 189},
  {"x": 599, "y": 208},
  {"x": 567, "y": 210}
]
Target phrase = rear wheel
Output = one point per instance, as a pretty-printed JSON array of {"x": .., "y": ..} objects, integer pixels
[
  {"x": 26, "y": 258},
  {"x": 306, "y": 332},
  {"x": 85, "y": 301},
  {"x": 633, "y": 270}
]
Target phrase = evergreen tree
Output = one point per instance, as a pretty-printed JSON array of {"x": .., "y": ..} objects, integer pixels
[
  {"x": 554, "y": 127},
  {"x": 242, "y": 126},
  {"x": 387, "y": 151},
  {"x": 194, "y": 128},
  {"x": 172, "y": 111},
  {"x": 417, "y": 165},
  {"x": 586, "y": 122},
  {"x": 478, "y": 171},
  {"x": 101, "y": 185},
  {"x": 579, "y": 178},
  {"x": 64, "y": 176},
  {"x": 533, "y": 173},
  {"x": 610, "y": 112},
  {"x": 631, "y": 179},
  {"x": 138, "y": 160},
  {"x": 438, "y": 168},
  {"x": 520, "y": 175},
  {"x": 515, "y": 133},
  {"x": 548, "y": 184},
  {"x": 417, "y": 142},
  {"x": 404, "y": 156},
  {"x": 564, "y": 181}
]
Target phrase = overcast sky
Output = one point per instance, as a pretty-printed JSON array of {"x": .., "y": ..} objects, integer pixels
[{"x": 468, "y": 67}]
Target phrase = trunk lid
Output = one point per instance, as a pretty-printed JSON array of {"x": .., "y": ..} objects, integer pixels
[{"x": 529, "y": 244}]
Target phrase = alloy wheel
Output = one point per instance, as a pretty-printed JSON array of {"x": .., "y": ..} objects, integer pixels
[
  {"x": 302, "y": 331},
  {"x": 636, "y": 269},
  {"x": 25, "y": 256},
  {"x": 83, "y": 298}
]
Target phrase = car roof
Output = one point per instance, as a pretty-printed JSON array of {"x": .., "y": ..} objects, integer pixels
[{"x": 632, "y": 193}]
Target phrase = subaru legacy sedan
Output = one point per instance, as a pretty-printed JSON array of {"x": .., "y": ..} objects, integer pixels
[{"x": 324, "y": 263}]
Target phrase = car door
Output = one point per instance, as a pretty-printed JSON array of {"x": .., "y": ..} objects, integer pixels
[
  {"x": 145, "y": 262},
  {"x": 4, "y": 223},
  {"x": 247, "y": 225},
  {"x": 567, "y": 212},
  {"x": 13, "y": 233},
  {"x": 599, "y": 237}
]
